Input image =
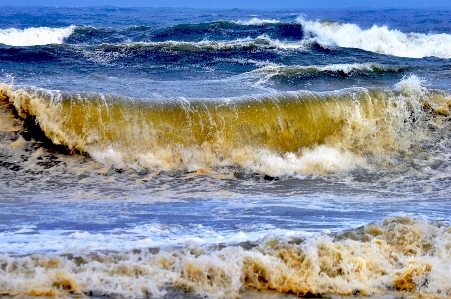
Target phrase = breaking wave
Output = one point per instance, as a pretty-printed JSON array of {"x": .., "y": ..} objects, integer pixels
[
  {"x": 268, "y": 33},
  {"x": 35, "y": 36},
  {"x": 377, "y": 39},
  {"x": 275, "y": 134}
]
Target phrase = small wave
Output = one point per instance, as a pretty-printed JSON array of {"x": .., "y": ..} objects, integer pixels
[
  {"x": 256, "y": 22},
  {"x": 344, "y": 69},
  {"x": 260, "y": 42},
  {"x": 139, "y": 28},
  {"x": 35, "y": 36},
  {"x": 380, "y": 40}
]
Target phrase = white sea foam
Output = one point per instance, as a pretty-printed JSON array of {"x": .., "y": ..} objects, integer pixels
[
  {"x": 35, "y": 36},
  {"x": 377, "y": 39},
  {"x": 319, "y": 159}
]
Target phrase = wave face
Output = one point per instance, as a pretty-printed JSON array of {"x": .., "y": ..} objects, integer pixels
[
  {"x": 280, "y": 134},
  {"x": 379, "y": 39},
  {"x": 35, "y": 36}
]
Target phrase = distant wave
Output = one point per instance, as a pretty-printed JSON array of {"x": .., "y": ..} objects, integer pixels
[
  {"x": 219, "y": 35},
  {"x": 217, "y": 31},
  {"x": 260, "y": 42},
  {"x": 35, "y": 36},
  {"x": 228, "y": 30},
  {"x": 256, "y": 22},
  {"x": 344, "y": 69},
  {"x": 379, "y": 39}
]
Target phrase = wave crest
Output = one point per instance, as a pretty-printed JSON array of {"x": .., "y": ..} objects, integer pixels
[
  {"x": 379, "y": 39},
  {"x": 35, "y": 36},
  {"x": 256, "y": 22},
  {"x": 344, "y": 69},
  {"x": 260, "y": 42}
]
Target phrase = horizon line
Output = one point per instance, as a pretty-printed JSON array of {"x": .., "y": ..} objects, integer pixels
[{"x": 225, "y": 7}]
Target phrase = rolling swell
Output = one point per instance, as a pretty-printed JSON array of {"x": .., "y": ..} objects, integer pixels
[
  {"x": 280, "y": 134},
  {"x": 36, "y": 54},
  {"x": 296, "y": 35},
  {"x": 93, "y": 35},
  {"x": 218, "y": 30},
  {"x": 227, "y": 30}
]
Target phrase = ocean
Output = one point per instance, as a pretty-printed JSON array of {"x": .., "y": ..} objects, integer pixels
[{"x": 185, "y": 153}]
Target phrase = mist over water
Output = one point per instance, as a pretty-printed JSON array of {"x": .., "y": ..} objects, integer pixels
[{"x": 224, "y": 154}]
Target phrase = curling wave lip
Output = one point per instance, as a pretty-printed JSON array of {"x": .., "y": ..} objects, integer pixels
[{"x": 275, "y": 134}]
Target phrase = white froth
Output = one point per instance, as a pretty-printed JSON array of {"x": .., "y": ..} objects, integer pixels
[
  {"x": 28, "y": 240},
  {"x": 318, "y": 159},
  {"x": 380, "y": 40},
  {"x": 109, "y": 157},
  {"x": 35, "y": 36},
  {"x": 261, "y": 41}
]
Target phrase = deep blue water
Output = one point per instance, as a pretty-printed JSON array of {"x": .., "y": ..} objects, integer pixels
[{"x": 108, "y": 44}]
